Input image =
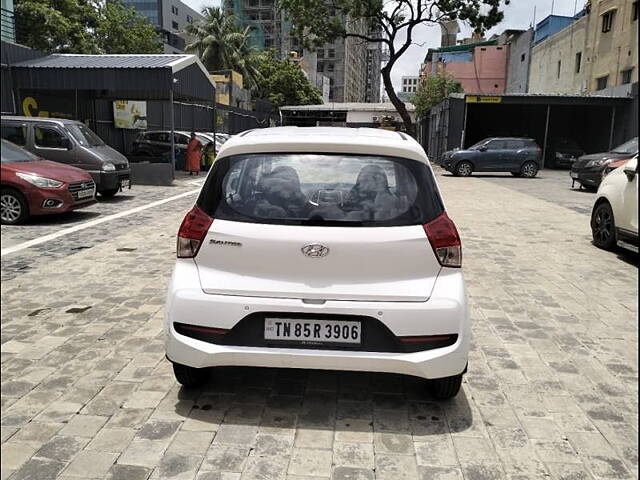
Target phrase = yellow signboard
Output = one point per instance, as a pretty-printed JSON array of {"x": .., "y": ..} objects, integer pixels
[{"x": 483, "y": 99}]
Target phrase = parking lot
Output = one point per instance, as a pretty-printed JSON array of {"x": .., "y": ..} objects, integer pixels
[{"x": 551, "y": 390}]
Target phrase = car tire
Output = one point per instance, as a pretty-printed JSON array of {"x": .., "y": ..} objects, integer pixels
[
  {"x": 463, "y": 169},
  {"x": 109, "y": 193},
  {"x": 603, "y": 226},
  {"x": 190, "y": 377},
  {"x": 445, "y": 388},
  {"x": 529, "y": 169},
  {"x": 14, "y": 207}
]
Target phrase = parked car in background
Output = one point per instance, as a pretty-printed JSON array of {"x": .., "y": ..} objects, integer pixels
[
  {"x": 221, "y": 137},
  {"x": 72, "y": 143},
  {"x": 328, "y": 253},
  {"x": 520, "y": 156},
  {"x": 587, "y": 170},
  {"x": 562, "y": 152},
  {"x": 157, "y": 143},
  {"x": 615, "y": 213},
  {"x": 33, "y": 186}
]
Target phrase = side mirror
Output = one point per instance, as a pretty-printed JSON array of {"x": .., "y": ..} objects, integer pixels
[
  {"x": 65, "y": 143},
  {"x": 482, "y": 149},
  {"x": 630, "y": 172}
]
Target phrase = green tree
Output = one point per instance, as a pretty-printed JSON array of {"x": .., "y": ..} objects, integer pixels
[
  {"x": 124, "y": 30},
  {"x": 84, "y": 26},
  {"x": 283, "y": 82},
  {"x": 433, "y": 89},
  {"x": 63, "y": 26},
  {"x": 319, "y": 21},
  {"x": 222, "y": 45}
]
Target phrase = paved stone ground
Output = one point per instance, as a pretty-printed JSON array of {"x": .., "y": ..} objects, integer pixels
[{"x": 551, "y": 390}]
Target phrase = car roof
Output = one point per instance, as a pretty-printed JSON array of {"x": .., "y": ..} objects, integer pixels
[
  {"x": 57, "y": 121},
  {"x": 363, "y": 141}
]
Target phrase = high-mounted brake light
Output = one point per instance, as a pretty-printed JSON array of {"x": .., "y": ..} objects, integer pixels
[
  {"x": 192, "y": 231},
  {"x": 445, "y": 241}
]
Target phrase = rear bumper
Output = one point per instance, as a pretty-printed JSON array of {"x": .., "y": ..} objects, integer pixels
[{"x": 444, "y": 313}]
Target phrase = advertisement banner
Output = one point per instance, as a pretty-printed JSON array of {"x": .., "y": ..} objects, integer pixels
[{"x": 130, "y": 114}]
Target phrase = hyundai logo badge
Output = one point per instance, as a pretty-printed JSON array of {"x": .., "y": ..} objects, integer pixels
[{"x": 315, "y": 250}]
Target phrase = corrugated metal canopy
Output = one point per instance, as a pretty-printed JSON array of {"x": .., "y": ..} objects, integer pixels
[
  {"x": 139, "y": 76},
  {"x": 103, "y": 61}
]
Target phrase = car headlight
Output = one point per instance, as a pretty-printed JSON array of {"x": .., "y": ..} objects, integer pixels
[
  {"x": 108, "y": 167},
  {"x": 39, "y": 181},
  {"x": 596, "y": 163}
]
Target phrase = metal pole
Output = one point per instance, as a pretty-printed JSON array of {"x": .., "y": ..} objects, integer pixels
[
  {"x": 215, "y": 118},
  {"x": 464, "y": 123},
  {"x": 546, "y": 132},
  {"x": 613, "y": 124},
  {"x": 173, "y": 140}
]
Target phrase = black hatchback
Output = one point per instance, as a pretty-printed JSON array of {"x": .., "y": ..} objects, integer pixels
[
  {"x": 520, "y": 156},
  {"x": 588, "y": 169}
]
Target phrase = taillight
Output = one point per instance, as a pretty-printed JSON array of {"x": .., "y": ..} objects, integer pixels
[
  {"x": 445, "y": 241},
  {"x": 192, "y": 231}
]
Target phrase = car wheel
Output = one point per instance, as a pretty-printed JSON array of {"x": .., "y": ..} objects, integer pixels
[
  {"x": 463, "y": 169},
  {"x": 516, "y": 174},
  {"x": 190, "y": 377},
  {"x": 13, "y": 207},
  {"x": 445, "y": 388},
  {"x": 529, "y": 169},
  {"x": 603, "y": 226},
  {"x": 109, "y": 193}
]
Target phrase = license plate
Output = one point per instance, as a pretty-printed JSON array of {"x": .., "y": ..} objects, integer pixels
[
  {"x": 312, "y": 331},
  {"x": 85, "y": 193},
  {"x": 574, "y": 175},
  {"x": 125, "y": 183}
]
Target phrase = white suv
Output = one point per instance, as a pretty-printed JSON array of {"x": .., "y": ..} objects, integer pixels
[
  {"x": 615, "y": 213},
  {"x": 324, "y": 248}
]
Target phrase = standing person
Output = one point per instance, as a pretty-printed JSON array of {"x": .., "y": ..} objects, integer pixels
[
  {"x": 208, "y": 155},
  {"x": 193, "y": 155}
]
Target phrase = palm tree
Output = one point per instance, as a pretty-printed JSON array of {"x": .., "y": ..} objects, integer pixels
[{"x": 222, "y": 44}]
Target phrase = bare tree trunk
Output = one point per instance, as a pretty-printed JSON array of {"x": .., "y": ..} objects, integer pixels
[{"x": 399, "y": 104}]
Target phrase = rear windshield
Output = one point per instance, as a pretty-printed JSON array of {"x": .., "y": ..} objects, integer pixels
[{"x": 321, "y": 189}]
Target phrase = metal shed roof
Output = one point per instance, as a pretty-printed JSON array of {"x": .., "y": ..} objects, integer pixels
[
  {"x": 103, "y": 61},
  {"x": 139, "y": 76}
]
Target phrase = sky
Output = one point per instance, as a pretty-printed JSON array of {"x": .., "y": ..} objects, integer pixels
[{"x": 519, "y": 14}]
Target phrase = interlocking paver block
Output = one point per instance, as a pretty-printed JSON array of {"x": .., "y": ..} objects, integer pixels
[
  {"x": 359, "y": 455},
  {"x": 91, "y": 464},
  {"x": 312, "y": 462},
  {"x": 113, "y": 440},
  {"x": 83, "y": 426}
]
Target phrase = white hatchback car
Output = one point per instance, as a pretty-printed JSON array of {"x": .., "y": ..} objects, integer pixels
[
  {"x": 324, "y": 248},
  {"x": 615, "y": 213}
]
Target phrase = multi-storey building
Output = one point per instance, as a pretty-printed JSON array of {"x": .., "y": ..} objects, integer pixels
[
  {"x": 345, "y": 62},
  {"x": 374, "y": 66},
  {"x": 8, "y": 24},
  {"x": 410, "y": 84},
  {"x": 596, "y": 52},
  {"x": 479, "y": 67},
  {"x": 170, "y": 17}
]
